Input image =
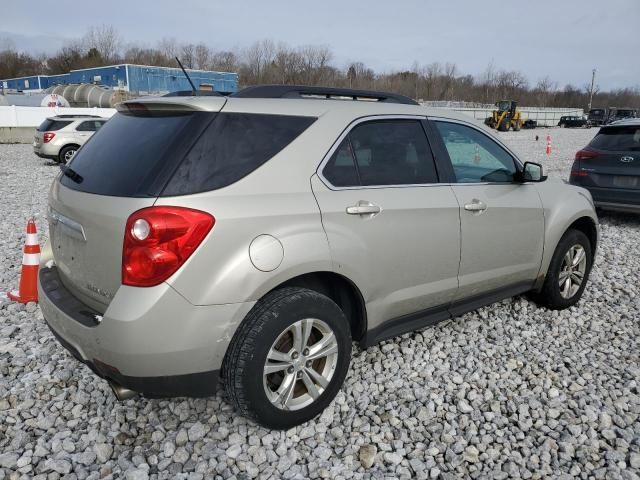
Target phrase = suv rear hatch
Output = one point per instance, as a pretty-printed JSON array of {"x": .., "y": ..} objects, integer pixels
[
  {"x": 121, "y": 169},
  {"x": 612, "y": 158},
  {"x": 49, "y": 125}
]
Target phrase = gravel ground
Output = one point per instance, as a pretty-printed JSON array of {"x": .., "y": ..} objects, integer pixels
[{"x": 511, "y": 390}]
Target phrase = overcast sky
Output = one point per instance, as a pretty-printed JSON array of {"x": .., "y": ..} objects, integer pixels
[{"x": 562, "y": 39}]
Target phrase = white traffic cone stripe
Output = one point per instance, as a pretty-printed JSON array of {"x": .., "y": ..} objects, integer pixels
[
  {"x": 31, "y": 259},
  {"x": 32, "y": 239}
]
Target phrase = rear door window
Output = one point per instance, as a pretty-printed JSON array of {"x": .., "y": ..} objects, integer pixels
[
  {"x": 382, "y": 152},
  {"x": 90, "y": 126},
  {"x": 341, "y": 170},
  {"x": 617, "y": 138},
  {"x": 52, "y": 125},
  {"x": 232, "y": 146}
]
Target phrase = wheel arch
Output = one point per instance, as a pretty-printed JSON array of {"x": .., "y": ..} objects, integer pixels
[
  {"x": 587, "y": 226},
  {"x": 67, "y": 146},
  {"x": 582, "y": 222},
  {"x": 341, "y": 290}
]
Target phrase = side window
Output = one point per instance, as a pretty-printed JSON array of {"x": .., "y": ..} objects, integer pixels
[
  {"x": 99, "y": 125},
  {"x": 341, "y": 169},
  {"x": 86, "y": 127},
  {"x": 393, "y": 152},
  {"x": 475, "y": 157}
]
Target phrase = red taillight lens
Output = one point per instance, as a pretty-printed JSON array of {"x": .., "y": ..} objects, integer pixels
[
  {"x": 579, "y": 173},
  {"x": 158, "y": 240},
  {"x": 47, "y": 137},
  {"x": 585, "y": 155}
]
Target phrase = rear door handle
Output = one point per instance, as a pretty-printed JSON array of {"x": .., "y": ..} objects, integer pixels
[
  {"x": 476, "y": 206},
  {"x": 363, "y": 208}
]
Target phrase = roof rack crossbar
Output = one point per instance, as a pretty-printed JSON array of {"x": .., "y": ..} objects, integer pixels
[{"x": 302, "y": 91}]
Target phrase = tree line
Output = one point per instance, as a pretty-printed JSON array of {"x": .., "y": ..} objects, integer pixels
[{"x": 266, "y": 62}]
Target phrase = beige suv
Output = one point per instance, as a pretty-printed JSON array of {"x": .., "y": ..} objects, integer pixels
[
  {"x": 252, "y": 238},
  {"x": 58, "y": 138}
]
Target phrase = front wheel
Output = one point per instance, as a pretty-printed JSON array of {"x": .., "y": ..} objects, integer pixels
[
  {"x": 568, "y": 272},
  {"x": 288, "y": 359}
]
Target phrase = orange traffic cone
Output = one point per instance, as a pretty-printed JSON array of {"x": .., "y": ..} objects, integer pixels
[
  {"x": 548, "y": 144},
  {"x": 28, "y": 291}
]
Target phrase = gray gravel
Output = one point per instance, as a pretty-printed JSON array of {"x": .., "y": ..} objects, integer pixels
[{"x": 509, "y": 391}]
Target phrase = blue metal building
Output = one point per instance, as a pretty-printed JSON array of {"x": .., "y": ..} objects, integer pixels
[{"x": 132, "y": 78}]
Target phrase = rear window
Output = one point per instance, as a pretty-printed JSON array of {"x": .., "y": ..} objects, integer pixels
[
  {"x": 133, "y": 156},
  {"x": 617, "y": 138},
  {"x": 232, "y": 146},
  {"x": 52, "y": 125}
]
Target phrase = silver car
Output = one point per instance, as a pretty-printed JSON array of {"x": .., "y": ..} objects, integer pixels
[
  {"x": 58, "y": 138},
  {"x": 251, "y": 239}
]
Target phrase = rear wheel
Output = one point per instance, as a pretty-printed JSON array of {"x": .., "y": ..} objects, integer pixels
[
  {"x": 568, "y": 272},
  {"x": 67, "y": 153},
  {"x": 289, "y": 358}
]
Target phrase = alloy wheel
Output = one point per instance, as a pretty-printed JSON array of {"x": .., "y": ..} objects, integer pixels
[
  {"x": 572, "y": 271},
  {"x": 300, "y": 364}
]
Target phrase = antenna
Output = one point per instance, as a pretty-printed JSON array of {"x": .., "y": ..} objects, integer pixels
[{"x": 193, "y": 87}]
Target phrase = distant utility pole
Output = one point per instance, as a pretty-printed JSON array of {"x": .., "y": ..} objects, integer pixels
[{"x": 593, "y": 78}]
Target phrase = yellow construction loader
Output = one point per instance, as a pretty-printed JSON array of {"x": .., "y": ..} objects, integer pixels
[{"x": 507, "y": 117}]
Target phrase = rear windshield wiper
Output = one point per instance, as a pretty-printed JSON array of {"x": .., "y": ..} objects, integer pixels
[{"x": 71, "y": 173}]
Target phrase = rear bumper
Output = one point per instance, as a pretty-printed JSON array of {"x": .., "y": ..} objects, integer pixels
[
  {"x": 47, "y": 150},
  {"x": 618, "y": 207},
  {"x": 619, "y": 199},
  {"x": 150, "y": 340}
]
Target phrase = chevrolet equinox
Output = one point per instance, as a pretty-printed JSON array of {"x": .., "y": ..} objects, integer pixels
[{"x": 251, "y": 238}]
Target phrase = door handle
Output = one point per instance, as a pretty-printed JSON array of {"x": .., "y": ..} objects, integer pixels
[
  {"x": 476, "y": 206},
  {"x": 363, "y": 208}
]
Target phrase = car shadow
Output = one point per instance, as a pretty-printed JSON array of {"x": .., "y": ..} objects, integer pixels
[{"x": 616, "y": 218}]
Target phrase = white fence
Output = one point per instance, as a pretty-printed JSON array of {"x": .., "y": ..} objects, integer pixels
[
  {"x": 546, "y": 117},
  {"x": 13, "y": 116}
]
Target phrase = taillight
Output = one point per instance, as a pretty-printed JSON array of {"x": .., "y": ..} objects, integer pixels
[
  {"x": 158, "y": 240},
  {"x": 47, "y": 137},
  {"x": 585, "y": 155},
  {"x": 579, "y": 173}
]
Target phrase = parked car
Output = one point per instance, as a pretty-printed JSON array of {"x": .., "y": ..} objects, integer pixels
[
  {"x": 597, "y": 116},
  {"x": 253, "y": 238},
  {"x": 616, "y": 114},
  {"x": 573, "y": 121},
  {"x": 58, "y": 138},
  {"x": 609, "y": 166}
]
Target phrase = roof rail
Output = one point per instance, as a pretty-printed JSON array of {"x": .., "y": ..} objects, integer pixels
[
  {"x": 302, "y": 91},
  {"x": 190, "y": 93},
  {"x": 77, "y": 115}
]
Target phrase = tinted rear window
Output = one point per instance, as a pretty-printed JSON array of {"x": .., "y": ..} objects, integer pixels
[
  {"x": 133, "y": 156},
  {"x": 52, "y": 125},
  {"x": 617, "y": 138},
  {"x": 232, "y": 146}
]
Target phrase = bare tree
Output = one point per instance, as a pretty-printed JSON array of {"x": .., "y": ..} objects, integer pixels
[
  {"x": 106, "y": 40},
  {"x": 188, "y": 55},
  {"x": 202, "y": 57}
]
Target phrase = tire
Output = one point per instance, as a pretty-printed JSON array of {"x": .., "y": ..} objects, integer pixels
[
  {"x": 517, "y": 126},
  {"x": 551, "y": 295},
  {"x": 67, "y": 153},
  {"x": 268, "y": 327}
]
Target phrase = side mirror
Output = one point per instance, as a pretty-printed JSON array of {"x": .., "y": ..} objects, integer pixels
[{"x": 532, "y": 172}]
